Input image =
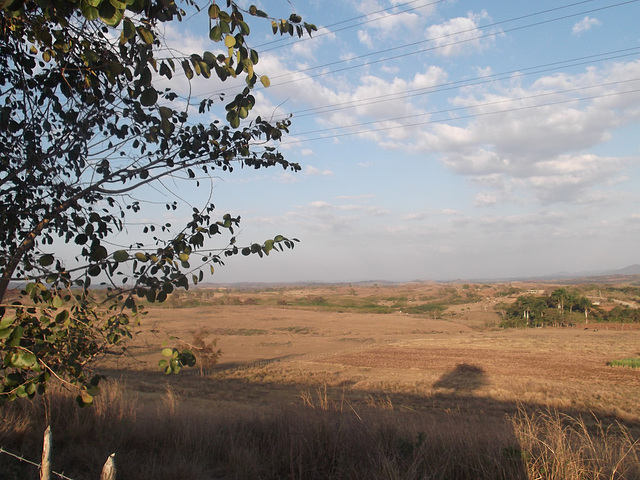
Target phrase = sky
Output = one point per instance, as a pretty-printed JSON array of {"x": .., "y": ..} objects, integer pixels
[{"x": 438, "y": 140}]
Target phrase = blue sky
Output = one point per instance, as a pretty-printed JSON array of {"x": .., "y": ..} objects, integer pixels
[{"x": 440, "y": 140}]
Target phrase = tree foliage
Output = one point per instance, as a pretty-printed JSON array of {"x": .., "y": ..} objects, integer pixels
[
  {"x": 557, "y": 308},
  {"x": 87, "y": 118}
]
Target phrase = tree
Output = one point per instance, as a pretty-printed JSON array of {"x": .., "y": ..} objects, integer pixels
[
  {"x": 87, "y": 119},
  {"x": 528, "y": 308},
  {"x": 558, "y": 297},
  {"x": 585, "y": 305}
]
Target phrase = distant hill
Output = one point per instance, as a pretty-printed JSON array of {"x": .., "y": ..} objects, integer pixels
[
  {"x": 630, "y": 270},
  {"x": 604, "y": 276}
]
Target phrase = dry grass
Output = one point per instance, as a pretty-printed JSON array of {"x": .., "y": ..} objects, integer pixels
[
  {"x": 555, "y": 446},
  {"x": 316, "y": 439},
  {"x": 325, "y": 393}
]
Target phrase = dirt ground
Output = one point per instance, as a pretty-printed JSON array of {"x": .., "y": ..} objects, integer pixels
[{"x": 461, "y": 360}]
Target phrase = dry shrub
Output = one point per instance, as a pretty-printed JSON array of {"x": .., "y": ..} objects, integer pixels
[
  {"x": 558, "y": 446},
  {"x": 206, "y": 350}
]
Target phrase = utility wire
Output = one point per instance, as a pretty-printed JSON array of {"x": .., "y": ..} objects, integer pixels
[
  {"x": 521, "y": 72},
  {"x": 328, "y": 27},
  {"x": 436, "y": 47},
  {"x": 433, "y": 48},
  {"x": 472, "y": 115}
]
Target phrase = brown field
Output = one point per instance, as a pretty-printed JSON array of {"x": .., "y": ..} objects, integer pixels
[
  {"x": 461, "y": 360},
  {"x": 319, "y": 349}
]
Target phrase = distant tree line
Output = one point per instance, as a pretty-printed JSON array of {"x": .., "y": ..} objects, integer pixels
[{"x": 563, "y": 307}]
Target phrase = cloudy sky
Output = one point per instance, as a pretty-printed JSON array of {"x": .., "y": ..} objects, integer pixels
[{"x": 442, "y": 140}]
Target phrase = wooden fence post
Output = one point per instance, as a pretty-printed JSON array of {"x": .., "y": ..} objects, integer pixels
[
  {"x": 109, "y": 469},
  {"x": 45, "y": 466}
]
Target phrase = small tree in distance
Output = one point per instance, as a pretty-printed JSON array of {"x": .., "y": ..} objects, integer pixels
[{"x": 84, "y": 125}]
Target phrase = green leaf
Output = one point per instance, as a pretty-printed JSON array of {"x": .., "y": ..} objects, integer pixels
[
  {"x": 120, "y": 256},
  {"x": 62, "y": 317},
  {"x": 81, "y": 239},
  {"x": 165, "y": 112},
  {"x": 229, "y": 41},
  {"x": 244, "y": 28},
  {"x": 5, "y": 333},
  {"x": 141, "y": 256},
  {"x": 22, "y": 359},
  {"x": 109, "y": 14},
  {"x": 149, "y": 97},
  {"x": 128, "y": 29},
  {"x": 264, "y": 80},
  {"x": 145, "y": 35},
  {"x": 89, "y": 12},
  {"x": 46, "y": 260},
  {"x": 151, "y": 296},
  {"x": 98, "y": 252},
  {"x": 215, "y": 33},
  {"x": 233, "y": 119},
  {"x": 15, "y": 337},
  {"x": 117, "y": 4},
  {"x": 187, "y": 69},
  {"x": 6, "y": 321},
  {"x": 84, "y": 399},
  {"x": 214, "y": 11}
]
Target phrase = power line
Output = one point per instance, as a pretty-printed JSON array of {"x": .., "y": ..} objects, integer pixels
[
  {"x": 544, "y": 68},
  {"x": 330, "y": 32},
  {"x": 436, "y": 47},
  {"x": 419, "y": 42},
  {"x": 471, "y": 115}
]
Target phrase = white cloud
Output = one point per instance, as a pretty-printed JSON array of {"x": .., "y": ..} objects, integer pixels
[
  {"x": 534, "y": 150},
  {"x": 380, "y": 100},
  {"x": 313, "y": 171},
  {"x": 485, "y": 198},
  {"x": 365, "y": 38},
  {"x": 390, "y": 21},
  {"x": 286, "y": 178},
  {"x": 459, "y": 35},
  {"x": 585, "y": 25}
]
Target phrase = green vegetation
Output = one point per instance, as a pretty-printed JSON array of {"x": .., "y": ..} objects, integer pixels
[
  {"x": 244, "y": 332},
  {"x": 89, "y": 118},
  {"x": 633, "y": 362},
  {"x": 298, "y": 330},
  {"x": 425, "y": 308},
  {"x": 565, "y": 307},
  {"x": 560, "y": 308}
]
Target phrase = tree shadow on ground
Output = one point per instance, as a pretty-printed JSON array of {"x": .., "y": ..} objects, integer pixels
[{"x": 464, "y": 378}]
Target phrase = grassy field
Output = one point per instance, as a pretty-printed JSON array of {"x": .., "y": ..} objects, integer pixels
[{"x": 377, "y": 381}]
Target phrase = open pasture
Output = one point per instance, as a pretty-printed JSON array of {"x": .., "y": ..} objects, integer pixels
[
  {"x": 413, "y": 381},
  {"x": 277, "y": 343}
]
